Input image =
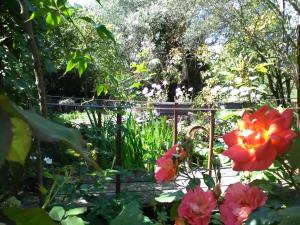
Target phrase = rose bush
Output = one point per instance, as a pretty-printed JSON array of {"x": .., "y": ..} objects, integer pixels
[
  {"x": 259, "y": 139},
  {"x": 239, "y": 201}
]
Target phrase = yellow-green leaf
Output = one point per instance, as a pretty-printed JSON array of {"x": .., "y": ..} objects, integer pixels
[{"x": 21, "y": 143}]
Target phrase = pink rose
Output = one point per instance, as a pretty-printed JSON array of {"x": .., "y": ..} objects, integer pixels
[
  {"x": 196, "y": 206},
  {"x": 240, "y": 200},
  {"x": 167, "y": 165}
]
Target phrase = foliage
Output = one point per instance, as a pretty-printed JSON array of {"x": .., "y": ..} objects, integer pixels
[
  {"x": 69, "y": 217},
  {"x": 41, "y": 128}
]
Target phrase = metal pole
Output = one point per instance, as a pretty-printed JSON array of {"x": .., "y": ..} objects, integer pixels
[
  {"x": 175, "y": 124},
  {"x": 118, "y": 150},
  {"x": 211, "y": 141},
  {"x": 298, "y": 76}
]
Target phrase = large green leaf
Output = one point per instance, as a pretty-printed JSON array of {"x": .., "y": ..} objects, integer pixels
[
  {"x": 262, "y": 216},
  {"x": 21, "y": 143},
  {"x": 34, "y": 216},
  {"x": 290, "y": 216},
  {"x": 76, "y": 211},
  {"x": 169, "y": 197},
  {"x": 130, "y": 215},
  {"x": 46, "y": 130},
  {"x": 73, "y": 220},
  {"x": 6, "y": 135},
  {"x": 57, "y": 213}
]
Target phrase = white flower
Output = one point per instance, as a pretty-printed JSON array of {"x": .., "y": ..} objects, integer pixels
[
  {"x": 234, "y": 92},
  {"x": 253, "y": 95},
  {"x": 153, "y": 85},
  {"x": 252, "y": 78},
  {"x": 145, "y": 90},
  {"x": 48, "y": 160},
  {"x": 244, "y": 91},
  {"x": 165, "y": 82},
  {"x": 214, "y": 90},
  {"x": 158, "y": 87},
  {"x": 178, "y": 92},
  {"x": 151, "y": 93},
  {"x": 190, "y": 89},
  {"x": 32, "y": 157},
  {"x": 238, "y": 80},
  {"x": 224, "y": 89}
]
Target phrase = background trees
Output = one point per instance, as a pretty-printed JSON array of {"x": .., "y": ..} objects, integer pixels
[{"x": 245, "y": 48}]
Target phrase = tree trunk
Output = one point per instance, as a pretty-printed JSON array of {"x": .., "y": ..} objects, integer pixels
[
  {"x": 37, "y": 66},
  {"x": 39, "y": 78}
]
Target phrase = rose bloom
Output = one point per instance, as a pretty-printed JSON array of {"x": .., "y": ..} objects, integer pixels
[
  {"x": 167, "y": 165},
  {"x": 259, "y": 139},
  {"x": 240, "y": 200},
  {"x": 196, "y": 206}
]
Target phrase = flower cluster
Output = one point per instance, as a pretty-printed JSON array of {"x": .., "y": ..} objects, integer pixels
[
  {"x": 167, "y": 165},
  {"x": 259, "y": 139},
  {"x": 239, "y": 201}
]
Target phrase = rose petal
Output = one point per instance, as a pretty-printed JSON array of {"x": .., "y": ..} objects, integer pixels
[
  {"x": 232, "y": 138},
  {"x": 264, "y": 150},
  {"x": 239, "y": 154}
]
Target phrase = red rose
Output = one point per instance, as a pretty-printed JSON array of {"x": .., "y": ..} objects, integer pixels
[
  {"x": 196, "y": 206},
  {"x": 167, "y": 165},
  {"x": 240, "y": 200},
  {"x": 259, "y": 139}
]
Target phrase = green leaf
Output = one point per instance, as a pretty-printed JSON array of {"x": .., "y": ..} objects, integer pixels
[
  {"x": 100, "y": 89},
  {"x": 6, "y": 135},
  {"x": 70, "y": 65},
  {"x": 147, "y": 221},
  {"x": 48, "y": 131},
  {"x": 130, "y": 215},
  {"x": 169, "y": 197},
  {"x": 174, "y": 210},
  {"x": 34, "y": 216},
  {"x": 21, "y": 142},
  {"x": 32, "y": 16},
  {"x": 136, "y": 85},
  {"x": 87, "y": 19},
  {"x": 208, "y": 180},
  {"x": 290, "y": 216},
  {"x": 76, "y": 211},
  {"x": 262, "y": 216},
  {"x": 104, "y": 33},
  {"x": 57, "y": 213},
  {"x": 82, "y": 66},
  {"x": 294, "y": 154},
  {"x": 216, "y": 219},
  {"x": 52, "y": 19},
  {"x": 45, "y": 130},
  {"x": 261, "y": 68},
  {"x": 72, "y": 220},
  {"x": 194, "y": 182}
]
